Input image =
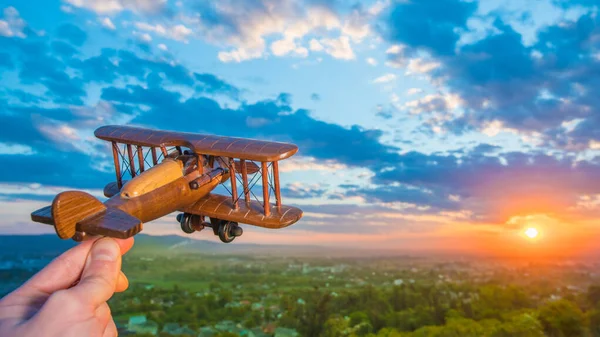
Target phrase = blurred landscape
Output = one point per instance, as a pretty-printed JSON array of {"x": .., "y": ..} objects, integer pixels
[{"x": 186, "y": 287}]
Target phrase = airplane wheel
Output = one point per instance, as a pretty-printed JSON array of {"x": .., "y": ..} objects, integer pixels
[
  {"x": 226, "y": 231},
  {"x": 186, "y": 224}
]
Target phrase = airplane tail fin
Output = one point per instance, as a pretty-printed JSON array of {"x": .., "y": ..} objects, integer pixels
[{"x": 76, "y": 211}]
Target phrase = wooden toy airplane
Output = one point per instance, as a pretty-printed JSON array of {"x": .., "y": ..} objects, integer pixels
[{"x": 177, "y": 171}]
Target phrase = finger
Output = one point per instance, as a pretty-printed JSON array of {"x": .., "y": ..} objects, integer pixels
[
  {"x": 100, "y": 274},
  {"x": 125, "y": 244},
  {"x": 103, "y": 314},
  {"x": 122, "y": 283},
  {"x": 111, "y": 329}
]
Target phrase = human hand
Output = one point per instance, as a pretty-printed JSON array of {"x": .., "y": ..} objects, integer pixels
[{"x": 49, "y": 304}]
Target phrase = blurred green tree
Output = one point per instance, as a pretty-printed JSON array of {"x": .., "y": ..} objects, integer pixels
[{"x": 562, "y": 318}]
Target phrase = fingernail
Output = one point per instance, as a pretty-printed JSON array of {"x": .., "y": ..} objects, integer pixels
[{"x": 105, "y": 250}]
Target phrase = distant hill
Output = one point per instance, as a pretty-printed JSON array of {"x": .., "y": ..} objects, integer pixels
[
  {"x": 175, "y": 244},
  {"x": 149, "y": 244},
  {"x": 179, "y": 244}
]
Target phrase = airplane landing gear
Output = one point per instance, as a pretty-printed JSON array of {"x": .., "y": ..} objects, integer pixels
[
  {"x": 229, "y": 230},
  {"x": 190, "y": 223}
]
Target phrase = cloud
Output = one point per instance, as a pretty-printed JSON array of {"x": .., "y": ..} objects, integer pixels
[
  {"x": 385, "y": 78},
  {"x": 303, "y": 191},
  {"x": 38, "y": 65},
  {"x": 63, "y": 49},
  {"x": 143, "y": 38},
  {"x": 66, "y": 9},
  {"x": 11, "y": 24},
  {"x": 278, "y": 120},
  {"x": 414, "y": 91},
  {"x": 287, "y": 46},
  {"x": 552, "y": 74},
  {"x": 444, "y": 103},
  {"x": 153, "y": 103},
  {"x": 492, "y": 188},
  {"x": 315, "y": 45},
  {"x": 301, "y": 163},
  {"x": 247, "y": 26},
  {"x": 251, "y": 29},
  {"x": 357, "y": 25},
  {"x": 429, "y": 24},
  {"x": 176, "y": 32},
  {"x": 113, "y": 64},
  {"x": 338, "y": 48},
  {"x": 483, "y": 148},
  {"x": 116, "y": 6},
  {"x": 59, "y": 165},
  {"x": 71, "y": 33},
  {"x": 209, "y": 83},
  {"x": 239, "y": 55},
  {"x": 396, "y": 56},
  {"x": 108, "y": 24},
  {"x": 371, "y": 61},
  {"x": 418, "y": 66},
  {"x": 412, "y": 195}
]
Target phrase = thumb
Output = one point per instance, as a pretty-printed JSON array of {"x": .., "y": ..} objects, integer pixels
[{"x": 100, "y": 274}]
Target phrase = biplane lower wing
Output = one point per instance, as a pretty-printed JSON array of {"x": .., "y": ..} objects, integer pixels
[
  {"x": 69, "y": 214},
  {"x": 251, "y": 213}
]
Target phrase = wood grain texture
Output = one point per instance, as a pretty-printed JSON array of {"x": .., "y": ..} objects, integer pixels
[
  {"x": 165, "y": 199},
  {"x": 70, "y": 207},
  {"x": 111, "y": 222},
  {"x": 251, "y": 167},
  {"x": 157, "y": 176},
  {"x": 242, "y": 148},
  {"x": 252, "y": 213},
  {"x": 245, "y": 187},
  {"x": 265, "y": 188}
]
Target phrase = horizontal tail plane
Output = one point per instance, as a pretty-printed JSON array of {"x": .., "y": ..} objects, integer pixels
[{"x": 75, "y": 211}]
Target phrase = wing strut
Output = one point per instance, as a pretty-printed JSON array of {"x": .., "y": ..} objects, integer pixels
[
  {"x": 265, "y": 183},
  {"x": 117, "y": 164},
  {"x": 244, "y": 169},
  {"x": 276, "y": 182},
  {"x": 234, "y": 195},
  {"x": 154, "y": 156},
  {"x": 140, "y": 152},
  {"x": 131, "y": 162}
]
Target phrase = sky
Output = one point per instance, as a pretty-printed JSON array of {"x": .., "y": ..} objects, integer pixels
[{"x": 422, "y": 125}]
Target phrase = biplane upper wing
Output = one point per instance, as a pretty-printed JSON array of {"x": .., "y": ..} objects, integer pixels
[
  {"x": 242, "y": 148},
  {"x": 252, "y": 212}
]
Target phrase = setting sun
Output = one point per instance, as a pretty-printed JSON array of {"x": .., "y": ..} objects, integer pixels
[{"x": 531, "y": 232}]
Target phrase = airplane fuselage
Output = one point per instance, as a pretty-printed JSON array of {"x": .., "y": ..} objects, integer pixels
[{"x": 167, "y": 198}]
